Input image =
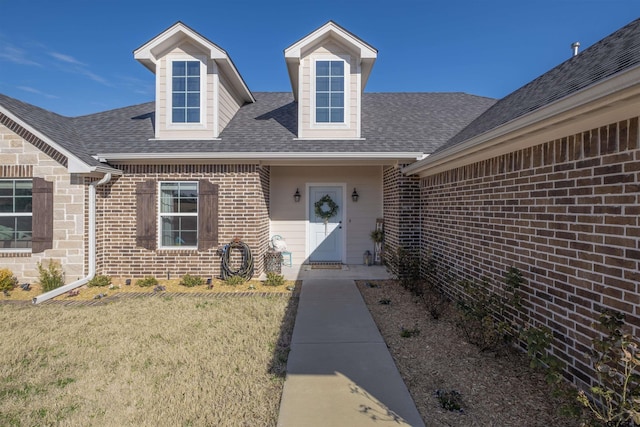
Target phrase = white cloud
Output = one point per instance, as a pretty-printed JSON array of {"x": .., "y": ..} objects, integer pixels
[
  {"x": 37, "y": 92},
  {"x": 13, "y": 54},
  {"x": 70, "y": 64},
  {"x": 66, "y": 58}
]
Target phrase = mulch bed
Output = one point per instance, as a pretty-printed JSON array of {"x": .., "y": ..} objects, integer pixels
[{"x": 492, "y": 389}]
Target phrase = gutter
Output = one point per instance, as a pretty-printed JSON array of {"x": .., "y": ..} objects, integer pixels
[
  {"x": 254, "y": 155},
  {"x": 92, "y": 247}
]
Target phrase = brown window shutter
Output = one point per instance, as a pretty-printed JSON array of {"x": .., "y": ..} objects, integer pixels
[
  {"x": 42, "y": 215},
  {"x": 146, "y": 214},
  {"x": 207, "y": 215}
]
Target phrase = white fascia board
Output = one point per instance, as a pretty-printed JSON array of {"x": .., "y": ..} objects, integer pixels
[
  {"x": 74, "y": 164},
  {"x": 366, "y": 51},
  {"x": 408, "y": 155},
  {"x": 599, "y": 90},
  {"x": 172, "y": 35}
]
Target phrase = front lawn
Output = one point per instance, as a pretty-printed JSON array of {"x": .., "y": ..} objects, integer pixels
[{"x": 149, "y": 361}]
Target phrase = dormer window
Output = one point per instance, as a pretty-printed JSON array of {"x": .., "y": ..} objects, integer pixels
[
  {"x": 330, "y": 95},
  {"x": 186, "y": 91}
]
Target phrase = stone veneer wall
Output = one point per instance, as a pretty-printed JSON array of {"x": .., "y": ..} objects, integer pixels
[
  {"x": 401, "y": 212},
  {"x": 566, "y": 213},
  {"x": 23, "y": 155},
  {"x": 243, "y": 212}
]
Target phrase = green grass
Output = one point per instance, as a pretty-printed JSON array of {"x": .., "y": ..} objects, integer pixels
[{"x": 149, "y": 361}]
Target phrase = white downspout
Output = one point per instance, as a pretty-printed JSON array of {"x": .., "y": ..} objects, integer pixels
[{"x": 92, "y": 247}]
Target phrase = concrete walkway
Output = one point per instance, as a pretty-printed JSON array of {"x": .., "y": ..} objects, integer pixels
[{"x": 340, "y": 372}]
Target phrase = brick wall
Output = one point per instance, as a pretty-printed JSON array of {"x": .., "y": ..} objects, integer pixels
[
  {"x": 401, "y": 211},
  {"x": 243, "y": 212},
  {"x": 23, "y": 155},
  {"x": 564, "y": 212}
]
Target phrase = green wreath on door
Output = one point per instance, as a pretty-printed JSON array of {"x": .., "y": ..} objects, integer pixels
[{"x": 326, "y": 215}]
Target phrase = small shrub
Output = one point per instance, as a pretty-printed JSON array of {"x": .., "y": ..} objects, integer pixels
[
  {"x": 274, "y": 279},
  {"x": 484, "y": 312},
  {"x": 406, "y": 266},
  {"x": 408, "y": 333},
  {"x": 147, "y": 282},
  {"x": 449, "y": 400},
  {"x": 100, "y": 281},
  {"x": 234, "y": 280},
  {"x": 7, "y": 280},
  {"x": 191, "y": 281},
  {"x": 51, "y": 277},
  {"x": 539, "y": 342},
  {"x": 616, "y": 359}
]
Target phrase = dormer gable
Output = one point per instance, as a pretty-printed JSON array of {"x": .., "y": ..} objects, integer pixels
[
  {"x": 329, "y": 69},
  {"x": 198, "y": 88}
]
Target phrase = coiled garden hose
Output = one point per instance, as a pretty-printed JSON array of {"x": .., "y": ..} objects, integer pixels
[{"x": 246, "y": 268}]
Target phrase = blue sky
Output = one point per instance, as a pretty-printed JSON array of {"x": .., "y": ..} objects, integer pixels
[{"x": 75, "y": 57}]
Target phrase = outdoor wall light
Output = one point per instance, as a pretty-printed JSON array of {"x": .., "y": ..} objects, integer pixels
[
  {"x": 296, "y": 196},
  {"x": 355, "y": 196}
]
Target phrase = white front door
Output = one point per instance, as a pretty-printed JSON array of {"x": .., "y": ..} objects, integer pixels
[{"x": 325, "y": 237}]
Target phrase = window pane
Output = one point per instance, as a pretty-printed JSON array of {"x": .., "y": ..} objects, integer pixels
[
  {"x": 168, "y": 192},
  {"x": 23, "y": 188},
  {"x": 322, "y": 100},
  {"x": 193, "y": 115},
  {"x": 23, "y": 204},
  {"x": 193, "y": 84},
  {"x": 179, "y": 68},
  {"x": 193, "y": 68},
  {"x": 322, "y": 68},
  {"x": 337, "y": 84},
  {"x": 179, "y": 84},
  {"x": 188, "y": 189},
  {"x": 193, "y": 100},
  {"x": 6, "y": 204},
  {"x": 188, "y": 223},
  {"x": 322, "y": 115},
  {"x": 6, "y": 188},
  {"x": 178, "y": 100},
  {"x": 7, "y": 226},
  {"x": 322, "y": 84},
  {"x": 337, "y": 68},
  {"x": 23, "y": 227},
  {"x": 337, "y": 115},
  {"x": 337, "y": 100},
  {"x": 190, "y": 238},
  {"x": 178, "y": 115}
]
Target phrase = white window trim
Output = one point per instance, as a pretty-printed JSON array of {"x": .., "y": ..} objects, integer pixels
[
  {"x": 23, "y": 214},
  {"x": 347, "y": 92},
  {"x": 202, "y": 124},
  {"x": 160, "y": 215}
]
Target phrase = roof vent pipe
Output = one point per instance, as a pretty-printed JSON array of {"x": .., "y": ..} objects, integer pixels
[{"x": 575, "y": 46}]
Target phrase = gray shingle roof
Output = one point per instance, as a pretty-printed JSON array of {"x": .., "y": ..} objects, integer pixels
[
  {"x": 611, "y": 55},
  {"x": 391, "y": 122},
  {"x": 58, "y": 128}
]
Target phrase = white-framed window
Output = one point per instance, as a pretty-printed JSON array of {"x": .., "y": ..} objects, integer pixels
[
  {"x": 186, "y": 83},
  {"x": 16, "y": 213},
  {"x": 178, "y": 214},
  {"x": 185, "y": 92},
  {"x": 330, "y": 90}
]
